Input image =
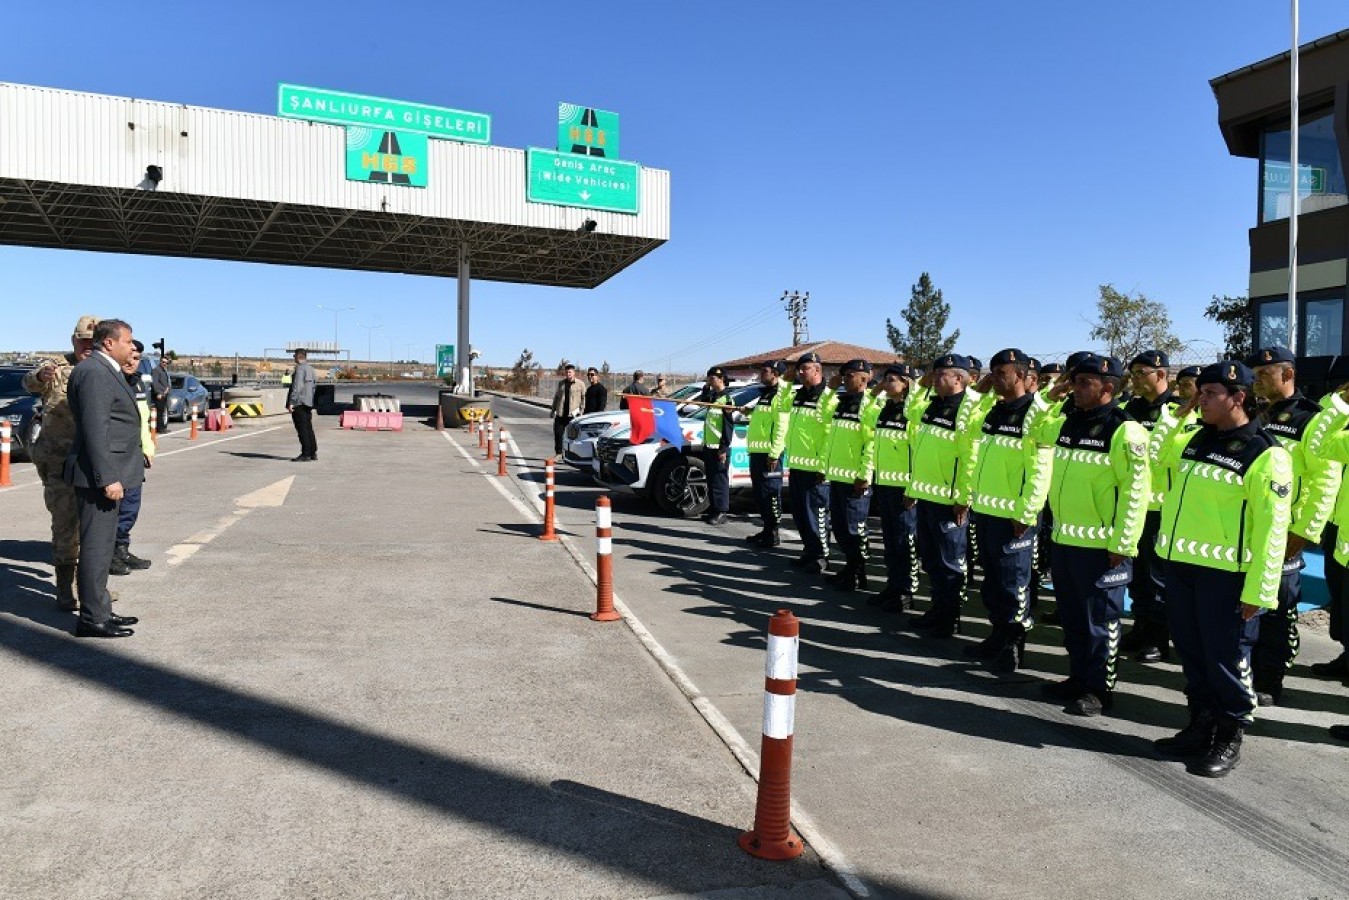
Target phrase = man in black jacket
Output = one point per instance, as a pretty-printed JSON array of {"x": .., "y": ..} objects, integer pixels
[{"x": 597, "y": 395}]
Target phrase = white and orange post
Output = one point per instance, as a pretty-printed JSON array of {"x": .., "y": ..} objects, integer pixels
[
  {"x": 5, "y": 434},
  {"x": 604, "y": 563},
  {"x": 504, "y": 437},
  {"x": 491, "y": 447},
  {"x": 482, "y": 435},
  {"x": 772, "y": 837},
  {"x": 549, "y": 503},
  {"x": 192, "y": 434}
]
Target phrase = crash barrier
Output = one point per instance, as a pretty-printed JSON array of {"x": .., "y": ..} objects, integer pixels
[
  {"x": 376, "y": 403},
  {"x": 255, "y": 402},
  {"x": 218, "y": 420},
  {"x": 491, "y": 446},
  {"x": 460, "y": 409},
  {"x": 549, "y": 505},
  {"x": 372, "y": 421},
  {"x": 502, "y": 440},
  {"x": 604, "y": 563},
  {"x": 772, "y": 837},
  {"x": 5, "y": 432},
  {"x": 243, "y": 410}
]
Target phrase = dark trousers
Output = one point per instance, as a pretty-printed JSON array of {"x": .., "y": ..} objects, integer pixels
[
  {"x": 1203, "y": 611},
  {"x": 809, "y": 494},
  {"x": 162, "y": 414},
  {"x": 303, "y": 417},
  {"x": 559, "y": 425},
  {"x": 128, "y": 511},
  {"x": 848, "y": 516},
  {"x": 1279, "y": 641},
  {"x": 1335, "y": 585},
  {"x": 718, "y": 479},
  {"x": 942, "y": 546},
  {"x": 98, "y": 539},
  {"x": 899, "y": 531},
  {"x": 767, "y": 489},
  {"x": 1006, "y": 560},
  {"x": 1147, "y": 588},
  {"x": 1091, "y": 600}
]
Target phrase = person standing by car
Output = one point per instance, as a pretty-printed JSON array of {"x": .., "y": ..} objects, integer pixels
[
  {"x": 807, "y": 436},
  {"x": 568, "y": 402},
  {"x": 128, "y": 511},
  {"x": 49, "y": 381},
  {"x": 850, "y": 449},
  {"x": 767, "y": 440},
  {"x": 718, "y": 429},
  {"x": 660, "y": 390},
  {"x": 160, "y": 384},
  {"x": 597, "y": 395},
  {"x": 636, "y": 388},
  {"x": 300, "y": 405}
]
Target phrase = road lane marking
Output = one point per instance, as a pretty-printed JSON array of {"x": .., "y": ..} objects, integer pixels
[
  {"x": 829, "y": 853},
  {"x": 272, "y": 495}
]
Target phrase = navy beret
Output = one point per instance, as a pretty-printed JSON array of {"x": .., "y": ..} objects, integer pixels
[
  {"x": 1105, "y": 366},
  {"x": 1188, "y": 372},
  {"x": 1268, "y": 355},
  {"x": 1229, "y": 373},
  {"x": 810, "y": 357},
  {"x": 1154, "y": 358},
  {"x": 1010, "y": 355},
  {"x": 855, "y": 365},
  {"x": 950, "y": 361}
]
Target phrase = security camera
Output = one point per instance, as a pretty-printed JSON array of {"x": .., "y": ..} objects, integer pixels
[
  {"x": 587, "y": 226},
  {"x": 473, "y": 354}
]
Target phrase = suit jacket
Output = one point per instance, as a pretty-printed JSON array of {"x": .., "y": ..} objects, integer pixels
[
  {"x": 563, "y": 410},
  {"x": 107, "y": 445},
  {"x": 160, "y": 382},
  {"x": 302, "y": 385}
]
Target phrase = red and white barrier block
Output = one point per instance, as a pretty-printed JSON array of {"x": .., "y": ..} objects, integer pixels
[{"x": 772, "y": 837}]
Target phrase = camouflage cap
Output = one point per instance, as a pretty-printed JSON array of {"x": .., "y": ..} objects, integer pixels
[{"x": 84, "y": 328}]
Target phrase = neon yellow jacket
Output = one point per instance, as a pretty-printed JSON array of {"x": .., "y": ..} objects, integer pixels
[
  {"x": 1327, "y": 439},
  {"x": 768, "y": 420},
  {"x": 890, "y": 433},
  {"x": 1316, "y": 480},
  {"x": 1010, "y": 474},
  {"x": 939, "y": 443},
  {"x": 1229, "y": 506},
  {"x": 808, "y": 428},
  {"x": 851, "y": 445}
]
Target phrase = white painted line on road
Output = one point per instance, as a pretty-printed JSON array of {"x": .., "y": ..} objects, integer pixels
[
  {"x": 829, "y": 852},
  {"x": 272, "y": 495}
]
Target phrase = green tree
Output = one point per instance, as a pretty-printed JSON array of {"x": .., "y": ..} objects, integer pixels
[
  {"x": 562, "y": 366},
  {"x": 1234, "y": 315},
  {"x": 1128, "y": 324},
  {"x": 604, "y": 367},
  {"x": 925, "y": 317},
  {"x": 524, "y": 376}
]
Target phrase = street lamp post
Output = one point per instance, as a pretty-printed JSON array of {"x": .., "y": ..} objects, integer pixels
[
  {"x": 337, "y": 345},
  {"x": 369, "y": 340}
]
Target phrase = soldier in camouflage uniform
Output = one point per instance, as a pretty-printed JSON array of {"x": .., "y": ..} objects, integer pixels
[{"x": 48, "y": 381}]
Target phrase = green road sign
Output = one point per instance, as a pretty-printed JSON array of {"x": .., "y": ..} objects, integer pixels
[
  {"x": 386, "y": 157},
  {"x": 444, "y": 360},
  {"x": 337, "y": 108},
  {"x": 570, "y": 180},
  {"x": 587, "y": 131},
  {"x": 1310, "y": 179}
]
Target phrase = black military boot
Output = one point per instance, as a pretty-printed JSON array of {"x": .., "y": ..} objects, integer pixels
[
  {"x": 1225, "y": 753},
  {"x": 1136, "y": 638},
  {"x": 118, "y": 566},
  {"x": 1013, "y": 650},
  {"x": 883, "y": 596},
  {"x": 853, "y": 575},
  {"x": 990, "y": 646},
  {"x": 771, "y": 537},
  {"x": 757, "y": 539},
  {"x": 898, "y": 602},
  {"x": 1194, "y": 739},
  {"x": 1268, "y": 685},
  {"x": 1156, "y": 641},
  {"x": 132, "y": 560},
  {"x": 65, "y": 588}
]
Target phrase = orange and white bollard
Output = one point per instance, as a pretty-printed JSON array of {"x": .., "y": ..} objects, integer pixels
[
  {"x": 192, "y": 434},
  {"x": 491, "y": 443},
  {"x": 503, "y": 438},
  {"x": 549, "y": 507},
  {"x": 472, "y": 425},
  {"x": 772, "y": 837},
  {"x": 482, "y": 435},
  {"x": 604, "y": 563},
  {"x": 5, "y": 430}
]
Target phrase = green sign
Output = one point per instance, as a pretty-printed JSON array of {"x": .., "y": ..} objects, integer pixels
[
  {"x": 587, "y": 131},
  {"x": 444, "y": 360},
  {"x": 337, "y": 108},
  {"x": 570, "y": 180},
  {"x": 1310, "y": 179},
  {"x": 386, "y": 157}
]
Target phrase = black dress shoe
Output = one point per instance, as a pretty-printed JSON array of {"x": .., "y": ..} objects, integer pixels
[
  {"x": 1151, "y": 653},
  {"x": 717, "y": 519},
  {"x": 85, "y": 628},
  {"x": 118, "y": 566},
  {"x": 122, "y": 621},
  {"x": 301, "y": 458}
]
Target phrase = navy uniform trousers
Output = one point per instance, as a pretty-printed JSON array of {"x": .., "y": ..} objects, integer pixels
[
  {"x": 899, "y": 531},
  {"x": 718, "y": 480},
  {"x": 1147, "y": 588},
  {"x": 809, "y": 492},
  {"x": 1214, "y": 644},
  {"x": 1279, "y": 641},
  {"x": 942, "y": 546},
  {"x": 767, "y": 489},
  {"x": 1006, "y": 560},
  {"x": 848, "y": 516},
  {"x": 1090, "y": 598}
]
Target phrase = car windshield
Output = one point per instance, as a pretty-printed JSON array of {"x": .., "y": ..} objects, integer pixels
[
  {"x": 178, "y": 380},
  {"x": 11, "y": 384}
]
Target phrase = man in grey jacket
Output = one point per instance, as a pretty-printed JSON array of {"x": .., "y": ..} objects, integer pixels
[
  {"x": 104, "y": 462},
  {"x": 300, "y": 405}
]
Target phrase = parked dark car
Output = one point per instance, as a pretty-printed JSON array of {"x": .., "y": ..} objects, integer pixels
[
  {"x": 186, "y": 396},
  {"x": 22, "y": 409}
]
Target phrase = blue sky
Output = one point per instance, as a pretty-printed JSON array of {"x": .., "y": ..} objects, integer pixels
[{"x": 1020, "y": 153}]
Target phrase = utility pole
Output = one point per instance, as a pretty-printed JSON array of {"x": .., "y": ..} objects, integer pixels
[{"x": 796, "y": 302}]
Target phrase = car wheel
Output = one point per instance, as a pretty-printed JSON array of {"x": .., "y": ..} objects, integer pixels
[{"x": 680, "y": 487}]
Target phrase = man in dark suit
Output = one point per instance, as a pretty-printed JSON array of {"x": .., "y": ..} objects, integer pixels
[{"x": 105, "y": 460}]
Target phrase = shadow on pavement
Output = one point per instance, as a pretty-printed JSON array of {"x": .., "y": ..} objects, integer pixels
[
  {"x": 541, "y": 606},
  {"x": 649, "y": 843},
  {"x": 243, "y": 455}
]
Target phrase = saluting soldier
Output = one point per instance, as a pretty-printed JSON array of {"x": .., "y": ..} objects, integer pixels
[
  {"x": 939, "y": 437},
  {"x": 848, "y": 460},
  {"x": 1099, "y": 497},
  {"x": 1290, "y": 416},
  {"x": 1223, "y": 535},
  {"x": 767, "y": 441},
  {"x": 49, "y": 381},
  {"x": 1007, "y": 487},
  {"x": 898, "y": 518},
  {"x": 807, "y": 432},
  {"x": 1153, "y": 406},
  {"x": 718, "y": 429}
]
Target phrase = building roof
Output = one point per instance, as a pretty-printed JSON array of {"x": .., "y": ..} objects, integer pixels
[
  {"x": 832, "y": 353},
  {"x": 1278, "y": 58}
]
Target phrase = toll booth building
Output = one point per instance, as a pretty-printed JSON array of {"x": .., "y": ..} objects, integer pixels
[{"x": 1254, "y": 114}]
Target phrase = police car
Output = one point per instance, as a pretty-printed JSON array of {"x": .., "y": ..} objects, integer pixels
[{"x": 673, "y": 477}]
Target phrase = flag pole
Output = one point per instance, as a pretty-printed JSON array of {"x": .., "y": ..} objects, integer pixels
[{"x": 1294, "y": 182}]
